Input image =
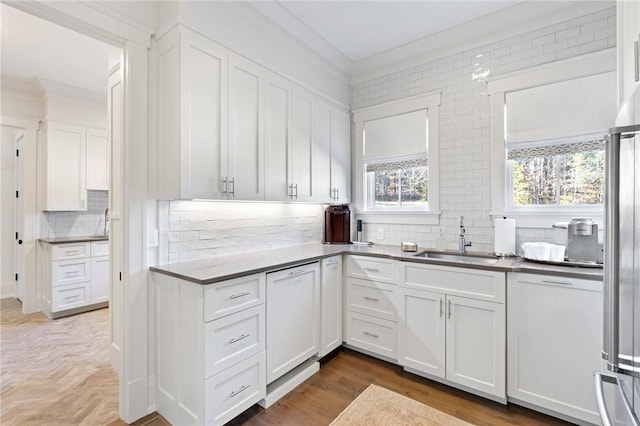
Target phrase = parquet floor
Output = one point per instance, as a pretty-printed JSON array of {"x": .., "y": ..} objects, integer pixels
[{"x": 55, "y": 372}]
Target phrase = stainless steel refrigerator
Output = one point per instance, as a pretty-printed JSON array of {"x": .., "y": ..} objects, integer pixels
[{"x": 619, "y": 399}]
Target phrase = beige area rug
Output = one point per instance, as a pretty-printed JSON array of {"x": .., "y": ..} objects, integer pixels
[{"x": 377, "y": 406}]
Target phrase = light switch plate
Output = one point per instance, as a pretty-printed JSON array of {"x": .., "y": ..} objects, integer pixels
[
  {"x": 152, "y": 238},
  {"x": 380, "y": 234}
]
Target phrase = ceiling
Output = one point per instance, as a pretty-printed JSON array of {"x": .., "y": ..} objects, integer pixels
[
  {"x": 360, "y": 29},
  {"x": 34, "y": 48}
]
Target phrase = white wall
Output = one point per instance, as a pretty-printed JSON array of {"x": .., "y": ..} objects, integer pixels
[
  {"x": 465, "y": 148},
  {"x": 7, "y": 210}
]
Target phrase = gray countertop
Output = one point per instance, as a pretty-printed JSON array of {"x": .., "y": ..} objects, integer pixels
[
  {"x": 65, "y": 240},
  {"x": 208, "y": 271}
]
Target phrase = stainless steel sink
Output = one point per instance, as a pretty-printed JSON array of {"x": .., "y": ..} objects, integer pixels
[{"x": 464, "y": 258}]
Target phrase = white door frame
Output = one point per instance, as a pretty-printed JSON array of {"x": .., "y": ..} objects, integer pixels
[
  {"x": 91, "y": 20},
  {"x": 18, "y": 246}
]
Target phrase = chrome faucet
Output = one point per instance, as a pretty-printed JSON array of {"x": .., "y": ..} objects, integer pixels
[
  {"x": 106, "y": 219},
  {"x": 462, "y": 243}
]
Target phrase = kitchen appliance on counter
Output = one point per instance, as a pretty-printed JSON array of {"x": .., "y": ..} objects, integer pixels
[
  {"x": 621, "y": 295},
  {"x": 337, "y": 224},
  {"x": 582, "y": 240}
]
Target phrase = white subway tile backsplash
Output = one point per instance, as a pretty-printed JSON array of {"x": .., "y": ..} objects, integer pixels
[{"x": 78, "y": 224}]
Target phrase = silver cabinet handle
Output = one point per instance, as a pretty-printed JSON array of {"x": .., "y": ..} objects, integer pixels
[
  {"x": 241, "y": 389},
  {"x": 449, "y": 314},
  {"x": 298, "y": 272},
  {"x": 224, "y": 186},
  {"x": 236, "y": 296},
  {"x": 368, "y": 333},
  {"x": 102, "y": 260},
  {"x": 441, "y": 307},
  {"x": 237, "y": 339},
  {"x": 557, "y": 282},
  {"x": 372, "y": 299},
  {"x": 293, "y": 191},
  {"x": 602, "y": 406},
  {"x": 233, "y": 187},
  {"x": 71, "y": 297},
  {"x": 371, "y": 269},
  {"x": 636, "y": 58},
  {"x": 71, "y": 251},
  {"x": 332, "y": 261}
]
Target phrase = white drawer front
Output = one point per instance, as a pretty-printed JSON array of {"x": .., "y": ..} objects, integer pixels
[
  {"x": 233, "y": 338},
  {"x": 71, "y": 296},
  {"x": 372, "y": 334},
  {"x": 99, "y": 248},
  {"x": 372, "y": 298},
  {"x": 234, "y": 390},
  {"x": 465, "y": 282},
  {"x": 70, "y": 251},
  {"x": 70, "y": 271},
  {"x": 371, "y": 268},
  {"x": 231, "y": 296}
]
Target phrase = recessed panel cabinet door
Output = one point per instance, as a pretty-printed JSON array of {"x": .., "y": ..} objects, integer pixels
[
  {"x": 301, "y": 146},
  {"x": 65, "y": 164},
  {"x": 97, "y": 155},
  {"x": 321, "y": 153},
  {"x": 277, "y": 137},
  {"x": 340, "y": 154},
  {"x": 245, "y": 175}
]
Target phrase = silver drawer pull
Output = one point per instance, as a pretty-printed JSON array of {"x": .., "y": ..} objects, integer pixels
[
  {"x": 237, "y": 339},
  {"x": 71, "y": 274},
  {"x": 236, "y": 296},
  {"x": 371, "y": 269},
  {"x": 71, "y": 297},
  {"x": 298, "y": 272},
  {"x": 71, "y": 251},
  {"x": 441, "y": 310},
  {"x": 235, "y": 392},
  {"x": 449, "y": 315},
  {"x": 373, "y": 299},
  {"x": 367, "y": 333},
  {"x": 332, "y": 261},
  {"x": 102, "y": 261},
  {"x": 556, "y": 282}
]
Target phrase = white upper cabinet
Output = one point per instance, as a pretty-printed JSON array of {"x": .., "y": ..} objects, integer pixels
[
  {"x": 628, "y": 39},
  {"x": 277, "y": 136},
  {"x": 64, "y": 181},
  {"x": 97, "y": 160},
  {"x": 192, "y": 116},
  {"x": 244, "y": 176},
  {"x": 228, "y": 128}
]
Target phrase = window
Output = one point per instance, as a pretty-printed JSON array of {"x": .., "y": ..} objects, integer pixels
[
  {"x": 398, "y": 160},
  {"x": 547, "y": 130}
]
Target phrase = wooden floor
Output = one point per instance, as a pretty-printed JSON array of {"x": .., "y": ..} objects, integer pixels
[{"x": 57, "y": 373}]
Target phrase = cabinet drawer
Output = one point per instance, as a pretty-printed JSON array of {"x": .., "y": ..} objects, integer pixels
[
  {"x": 234, "y": 390},
  {"x": 70, "y": 271},
  {"x": 99, "y": 248},
  {"x": 231, "y": 296},
  {"x": 70, "y": 296},
  {"x": 70, "y": 251},
  {"x": 465, "y": 282},
  {"x": 372, "y": 334},
  {"x": 233, "y": 338},
  {"x": 372, "y": 298},
  {"x": 371, "y": 268}
]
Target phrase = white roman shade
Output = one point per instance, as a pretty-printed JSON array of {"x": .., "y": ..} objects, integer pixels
[
  {"x": 583, "y": 105},
  {"x": 394, "y": 137}
]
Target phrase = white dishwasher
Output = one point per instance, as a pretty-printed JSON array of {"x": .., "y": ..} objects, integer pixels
[{"x": 293, "y": 308}]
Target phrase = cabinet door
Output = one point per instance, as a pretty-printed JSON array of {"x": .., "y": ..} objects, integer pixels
[
  {"x": 65, "y": 164},
  {"x": 554, "y": 330},
  {"x": 301, "y": 146},
  {"x": 331, "y": 309},
  {"x": 277, "y": 126},
  {"x": 97, "y": 155},
  {"x": 293, "y": 302},
  {"x": 245, "y": 174},
  {"x": 421, "y": 342},
  {"x": 321, "y": 153},
  {"x": 340, "y": 155},
  {"x": 476, "y": 344},
  {"x": 628, "y": 55},
  {"x": 100, "y": 274}
]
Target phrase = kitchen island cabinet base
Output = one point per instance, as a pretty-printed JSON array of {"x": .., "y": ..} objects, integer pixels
[
  {"x": 289, "y": 382},
  {"x": 556, "y": 414}
]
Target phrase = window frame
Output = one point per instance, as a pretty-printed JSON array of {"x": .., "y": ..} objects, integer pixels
[
  {"x": 430, "y": 215},
  {"x": 536, "y": 216}
]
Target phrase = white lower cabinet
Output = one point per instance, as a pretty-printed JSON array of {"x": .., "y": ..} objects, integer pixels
[
  {"x": 370, "y": 308},
  {"x": 554, "y": 332},
  {"x": 293, "y": 304},
  {"x": 75, "y": 277},
  {"x": 210, "y": 367},
  {"x": 330, "y": 305},
  {"x": 452, "y": 326}
]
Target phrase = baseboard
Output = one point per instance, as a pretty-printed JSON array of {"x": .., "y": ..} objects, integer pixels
[
  {"x": 7, "y": 289},
  {"x": 288, "y": 382}
]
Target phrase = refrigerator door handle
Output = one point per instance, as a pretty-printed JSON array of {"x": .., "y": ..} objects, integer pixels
[{"x": 602, "y": 406}]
